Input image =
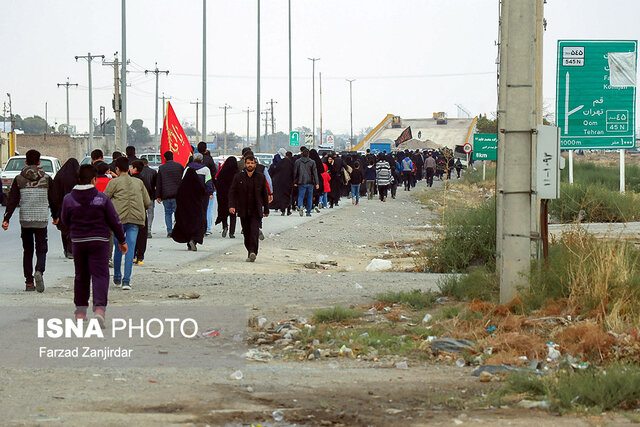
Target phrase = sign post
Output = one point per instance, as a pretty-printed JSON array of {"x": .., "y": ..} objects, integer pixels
[
  {"x": 485, "y": 147},
  {"x": 596, "y": 96},
  {"x": 294, "y": 138}
]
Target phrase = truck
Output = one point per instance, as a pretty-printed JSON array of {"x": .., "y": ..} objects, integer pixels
[{"x": 379, "y": 147}]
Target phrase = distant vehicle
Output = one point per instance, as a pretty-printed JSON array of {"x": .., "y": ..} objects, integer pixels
[
  {"x": 155, "y": 159},
  {"x": 264, "y": 158},
  {"x": 87, "y": 160},
  {"x": 51, "y": 165}
]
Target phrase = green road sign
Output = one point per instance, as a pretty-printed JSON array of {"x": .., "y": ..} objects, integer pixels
[
  {"x": 485, "y": 146},
  {"x": 596, "y": 94},
  {"x": 294, "y": 138}
]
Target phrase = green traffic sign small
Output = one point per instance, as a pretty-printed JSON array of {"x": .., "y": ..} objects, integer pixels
[
  {"x": 294, "y": 139},
  {"x": 596, "y": 93},
  {"x": 485, "y": 146}
]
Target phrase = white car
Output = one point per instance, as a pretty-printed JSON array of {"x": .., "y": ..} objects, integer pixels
[
  {"x": 51, "y": 165},
  {"x": 155, "y": 159}
]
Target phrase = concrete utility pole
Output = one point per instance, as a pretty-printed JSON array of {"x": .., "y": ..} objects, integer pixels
[
  {"x": 13, "y": 121},
  {"x": 225, "y": 108},
  {"x": 116, "y": 100},
  {"x": 320, "y": 81},
  {"x": 204, "y": 71},
  {"x": 290, "y": 85},
  {"x": 258, "y": 88},
  {"x": 519, "y": 113},
  {"x": 66, "y": 85},
  {"x": 313, "y": 98},
  {"x": 351, "y": 109},
  {"x": 273, "y": 125},
  {"x": 90, "y": 58},
  {"x": 197, "y": 103},
  {"x": 156, "y": 72},
  {"x": 123, "y": 78},
  {"x": 266, "y": 125},
  {"x": 164, "y": 105},
  {"x": 248, "y": 111}
]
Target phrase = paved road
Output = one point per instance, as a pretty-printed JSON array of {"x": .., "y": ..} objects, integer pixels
[{"x": 161, "y": 252}]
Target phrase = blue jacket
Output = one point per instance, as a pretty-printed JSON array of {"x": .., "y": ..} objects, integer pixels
[
  {"x": 204, "y": 173},
  {"x": 370, "y": 173}
]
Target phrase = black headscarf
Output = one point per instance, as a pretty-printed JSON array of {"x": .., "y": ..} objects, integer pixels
[
  {"x": 190, "y": 218},
  {"x": 313, "y": 155},
  {"x": 65, "y": 180},
  {"x": 223, "y": 184}
]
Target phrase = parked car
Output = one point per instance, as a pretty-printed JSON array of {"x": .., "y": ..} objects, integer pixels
[
  {"x": 50, "y": 165},
  {"x": 87, "y": 160},
  {"x": 155, "y": 159},
  {"x": 264, "y": 158}
]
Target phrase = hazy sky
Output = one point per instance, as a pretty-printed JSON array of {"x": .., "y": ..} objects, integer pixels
[{"x": 410, "y": 57}]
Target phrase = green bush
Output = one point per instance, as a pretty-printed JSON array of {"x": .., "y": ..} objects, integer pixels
[
  {"x": 594, "y": 203},
  {"x": 474, "y": 176},
  {"x": 468, "y": 237},
  {"x": 608, "y": 177},
  {"x": 335, "y": 314},
  {"x": 482, "y": 284},
  {"x": 416, "y": 299}
]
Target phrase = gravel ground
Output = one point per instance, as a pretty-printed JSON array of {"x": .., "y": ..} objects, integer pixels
[{"x": 277, "y": 286}]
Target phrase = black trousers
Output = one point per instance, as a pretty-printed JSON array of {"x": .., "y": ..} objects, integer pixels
[
  {"x": 430, "y": 173},
  {"x": 66, "y": 238},
  {"x": 250, "y": 227},
  {"x": 231, "y": 225},
  {"x": 141, "y": 241},
  {"x": 406, "y": 176},
  {"x": 29, "y": 235},
  {"x": 382, "y": 189}
]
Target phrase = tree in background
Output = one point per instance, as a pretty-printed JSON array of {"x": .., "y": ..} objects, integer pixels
[
  {"x": 137, "y": 133},
  {"x": 485, "y": 125}
]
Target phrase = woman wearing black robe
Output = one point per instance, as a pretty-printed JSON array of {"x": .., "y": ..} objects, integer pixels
[
  {"x": 190, "y": 218},
  {"x": 313, "y": 155},
  {"x": 63, "y": 183},
  {"x": 282, "y": 177},
  {"x": 223, "y": 184}
]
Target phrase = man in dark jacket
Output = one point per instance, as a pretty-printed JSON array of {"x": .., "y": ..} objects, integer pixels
[
  {"x": 91, "y": 217},
  {"x": 305, "y": 177},
  {"x": 249, "y": 199},
  {"x": 131, "y": 154},
  {"x": 31, "y": 190},
  {"x": 112, "y": 166},
  {"x": 208, "y": 162},
  {"x": 167, "y": 183},
  {"x": 150, "y": 177}
]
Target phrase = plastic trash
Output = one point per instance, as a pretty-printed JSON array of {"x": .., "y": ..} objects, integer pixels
[
  {"x": 460, "y": 363},
  {"x": 277, "y": 415},
  {"x": 451, "y": 345},
  {"x": 237, "y": 375},
  {"x": 358, "y": 286},
  {"x": 204, "y": 270},
  {"x": 211, "y": 333},
  {"x": 402, "y": 365},
  {"x": 553, "y": 352},
  {"x": 427, "y": 318},
  {"x": 377, "y": 264},
  {"x": 262, "y": 321}
]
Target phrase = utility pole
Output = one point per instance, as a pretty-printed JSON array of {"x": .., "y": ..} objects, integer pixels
[
  {"x": 116, "y": 100},
  {"x": 266, "y": 124},
  {"x": 156, "y": 72},
  {"x": 66, "y": 85},
  {"x": 164, "y": 105},
  {"x": 13, "y": 122},
  {"x": 258, "y": 88},
  {"x": 313, "y": 97},
  {"x": 197, "y": 133},
  {"x": 46, "y": 120},
  {"x": 351, "y": 109},
  {"x": 273, "y": 138},
  {"x": 290, "y": 85},
  {"x": 90, "y": 58},
  {"x": 103, "y": 119},
  {"x": 123, "y": 79},
  {"x": 204, "y": 71},
  {"x": 519, "y": 113},
  {"x": 248, "y": 111},
  {"x": 225, "y": 108},
  {"x": 320, "y": 81}
]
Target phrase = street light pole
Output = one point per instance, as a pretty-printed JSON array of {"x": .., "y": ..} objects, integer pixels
[
  {"x": 248, "y": 110},
  {"x": 123, "y": 78},
  {"x": 351, "y": 109},
  {"x": 204, "y": 70},
  {"x": 313, "y": 97},
  {"x": 290, "y": 85},
  {"x": 258, "y": 88}
]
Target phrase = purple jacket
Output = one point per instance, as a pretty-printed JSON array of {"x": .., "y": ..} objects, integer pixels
[{"x": 90, "y": 215}]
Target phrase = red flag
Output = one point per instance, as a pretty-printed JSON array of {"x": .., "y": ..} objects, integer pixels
[{"x": 174, "y": 139}]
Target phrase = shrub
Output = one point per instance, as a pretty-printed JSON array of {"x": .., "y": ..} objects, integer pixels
[
  {"x": 335, "y": 314},
  {"x": 481, "y": 284},
  {"x": 416, "y": 299},
  {"x": 474, "y": 176},
  {"x": 607, "y": 177},
  {"x": 594, "y": 203},
  {"x": 468, "y": 237}
]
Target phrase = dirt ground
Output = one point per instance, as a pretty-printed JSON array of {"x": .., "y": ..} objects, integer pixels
[{"x": 336, "y": 391}]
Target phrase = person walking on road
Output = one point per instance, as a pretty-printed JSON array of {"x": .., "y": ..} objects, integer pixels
[
  {"x": 150, "y": 178},
  {"x": 91, "y": 218},
  {"x": 383, "y": 177},
  {"x": 204, "y": 174},
  {"x": 207, "y": 160},
  {"x": 131, "y": 199},
  {"x": 370, "y": 178},
  {"x": 136, "y": 169},
  {"x": 167, "y": 183},
  {"x": 407, "y": 171},
  {"x": 31, "y": 190},
  {"x": 356, "y": 180},
  {"x": 227, "y": 171},
  {"x": 249, "y": 199},
  {"x": 430, "y": 169},
  {"x": 305, "y": 177},
  {"x": 62, "y": 184}
]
